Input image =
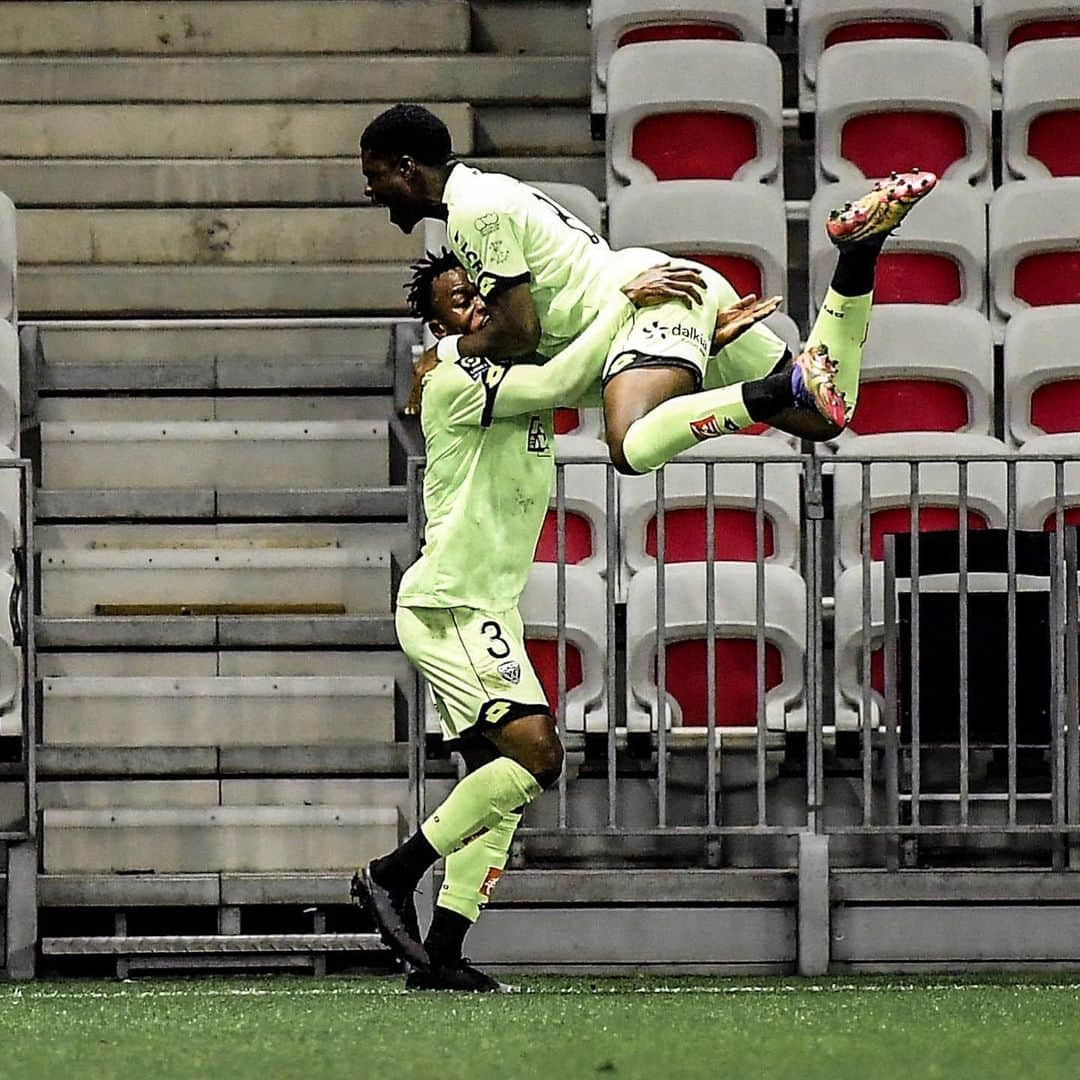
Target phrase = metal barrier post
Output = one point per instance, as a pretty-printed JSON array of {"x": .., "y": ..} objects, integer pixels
[
  {"x": 560, "y": 623},
  {"x": 710, "y": 645},
  {"x": 661, "y": 656}
]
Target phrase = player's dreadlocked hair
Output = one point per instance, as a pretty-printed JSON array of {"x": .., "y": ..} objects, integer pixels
[
  {"x": 425, "y": 272},
  {"x": 408, "y": 129}
]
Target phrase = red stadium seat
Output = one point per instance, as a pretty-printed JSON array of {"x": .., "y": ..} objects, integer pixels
[
  {"x": 544, "y": 657},
  {"x": 880, "y": 142},
  {"x": 566, "y": 421},
  {"x": 1072, "y": 517},
  {"x": 878, "y": 29},
  {"x": 679, "y": 32},
  {"x": 579, "y": 539},
  {"x": 685, "y": 536},
  {"x": 1055, "y": 406},
  {"x": 916, "y": 277},
  {"x": 910, "y": 405},
  {"x": 1044, "y": 29},
  {"x": 1054, "y": 139},
  {"x": 694, "y": 145},
  {"x": 1048, "y": 277},
  {"x": 744, "y": 274},
  {"x": 736, "y": 680},
  {"x": 931, "y": 519}
]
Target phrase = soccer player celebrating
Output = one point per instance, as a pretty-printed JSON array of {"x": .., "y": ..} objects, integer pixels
[
  {"x": 488, "y": 434},
  {"x": 544, "y": 276}
]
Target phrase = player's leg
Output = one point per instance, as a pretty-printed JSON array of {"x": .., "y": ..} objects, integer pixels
[
  {"x": 812, "y": 396},
  {"x": 470, "y": 877},
  {"x": 483, "y": 682}
]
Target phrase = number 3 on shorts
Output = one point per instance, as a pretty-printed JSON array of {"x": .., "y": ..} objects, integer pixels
[{"x": 493, "y": 632}]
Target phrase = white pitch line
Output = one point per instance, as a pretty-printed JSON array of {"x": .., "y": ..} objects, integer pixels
[{"x": 23, "y": 995}]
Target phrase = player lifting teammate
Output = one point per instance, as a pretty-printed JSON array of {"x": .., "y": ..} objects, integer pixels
[
  {"x": 544, "y": 276},
  {"x": 488, "y": 434}
]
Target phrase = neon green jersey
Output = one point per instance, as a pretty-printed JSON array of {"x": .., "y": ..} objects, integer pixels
[
  {"x": 505, "y": 232},
  {"x": 490, "y": 467}
]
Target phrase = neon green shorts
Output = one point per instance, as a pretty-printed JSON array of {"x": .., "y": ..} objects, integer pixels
[
  {"x": 474, "y": 662},
  {"x": 673, "y": 335}
]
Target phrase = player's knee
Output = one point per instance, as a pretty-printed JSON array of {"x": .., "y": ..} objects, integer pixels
[
  {"x": 549, "y": 763},
  {"x": 617, "y": 453}
]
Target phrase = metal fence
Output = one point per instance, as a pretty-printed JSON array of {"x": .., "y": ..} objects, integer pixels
[{"x": 850, "y": 733}]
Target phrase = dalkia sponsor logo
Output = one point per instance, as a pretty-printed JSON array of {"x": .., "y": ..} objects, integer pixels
[
  {"x": 691, "y": 333},
  {"x": 493, "y": 875}
]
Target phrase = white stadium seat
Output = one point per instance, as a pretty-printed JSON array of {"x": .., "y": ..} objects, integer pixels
[
  {"x": 891, "y": 495},
  {"x": 937, "y": 256},
  {"x": 735, "y": 621},
  {"x": 848, "y": 624},
  {"x": 734, "y": 490},
  {"x": 617, "y": 23},
  {"x": 884, "y": 105},
  {"x": 586, "y": 637},
  {"x": 1033, "y": 258},
  {"x": 1040, "y": 107},
  {"x": 738, "y": 229},
  {"x": 826, "y": 23},
  {"x": 1008, "y": 23},
  {"x": 925, "y": 367},
  {"x": 1042, "y": 372},
  {"x": 694, "y": 110},
  {"x": 1035, "y": 482}
]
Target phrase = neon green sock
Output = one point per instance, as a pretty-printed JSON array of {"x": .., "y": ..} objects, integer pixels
[
  {"x": 472, "y": 871},
  {"x": 842, "y": 325},
  {"x": 682, "y": 422},
  {"x": 480, "y": 802}
]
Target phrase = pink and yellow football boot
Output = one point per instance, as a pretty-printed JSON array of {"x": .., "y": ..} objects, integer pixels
[
  {"x": 813, "y": 383},
  {"x": 880, "y": 211}
]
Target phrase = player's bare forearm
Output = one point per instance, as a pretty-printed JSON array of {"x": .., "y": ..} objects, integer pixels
[
  {"x": 512, "y": 330},
  {"x": 566, "y": 378}
]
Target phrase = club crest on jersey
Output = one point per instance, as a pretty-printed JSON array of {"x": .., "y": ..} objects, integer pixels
[
  {"x": 538, "y": 440},
  {"x": 486, "y": 223},
  {"x": 510, "y": 670}
]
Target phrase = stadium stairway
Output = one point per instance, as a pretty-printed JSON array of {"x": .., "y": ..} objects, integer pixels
[{"x": 215, "y": 348}]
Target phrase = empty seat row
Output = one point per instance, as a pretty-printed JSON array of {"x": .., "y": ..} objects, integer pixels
[
  {"x": 712, "y": 110},
  {"x": 823, "y": 24}
]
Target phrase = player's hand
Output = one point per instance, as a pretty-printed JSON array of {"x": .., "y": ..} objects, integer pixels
[
  {"x": 740, "y": 316},
  {"x": 659, "y": 284},
  {"x": 424, "y": 363}
]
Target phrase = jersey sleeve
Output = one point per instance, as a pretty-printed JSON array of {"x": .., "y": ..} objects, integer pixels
[
  {"x": 461, "y": 393},
  {"x": 488, "y": 243}
]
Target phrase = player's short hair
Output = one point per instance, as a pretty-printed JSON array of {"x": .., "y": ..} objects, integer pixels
[
  {"x": 419, "y": 291},
  {"x": 411, "y": 130}
]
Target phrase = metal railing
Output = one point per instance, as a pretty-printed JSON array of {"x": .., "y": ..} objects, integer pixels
[
  {"x": 768, "y": 778},
  {"x": 21, "y": 615}
]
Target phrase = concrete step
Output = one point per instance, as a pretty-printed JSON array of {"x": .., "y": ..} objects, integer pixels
[
  {"x": 304, "y": 662},
  {"x": 209, "y": 27},
  {"x": 521, "y": 131},
  {"x": 218, "y": 237},
  {"x": 222, "y": 455},
  {"x": 77, "y": 583},
  {"x": 199, "y": 131},
  {"x": 254, "y": 181},
  {"x": 129, "y": 793},
  {"x": 238, "y": 838},
  {"x": 530, "y": 27},
  {"x": 73, "y": 291},
  {"x": 217, "y": 711},
  {"x": 228, "y": 355},
  {"x": 476, "y": 79},
  {"x": 130, "y": 408},
  {"x": 126, "y": 536}
]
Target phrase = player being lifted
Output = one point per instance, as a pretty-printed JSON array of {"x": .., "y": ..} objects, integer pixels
[
  {"x": 488, "y": 435},
  {"x": 544, "y": 276}
]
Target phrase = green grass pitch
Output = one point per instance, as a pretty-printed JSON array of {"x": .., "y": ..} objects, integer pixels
[{"x": 833, "y": 1029}]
